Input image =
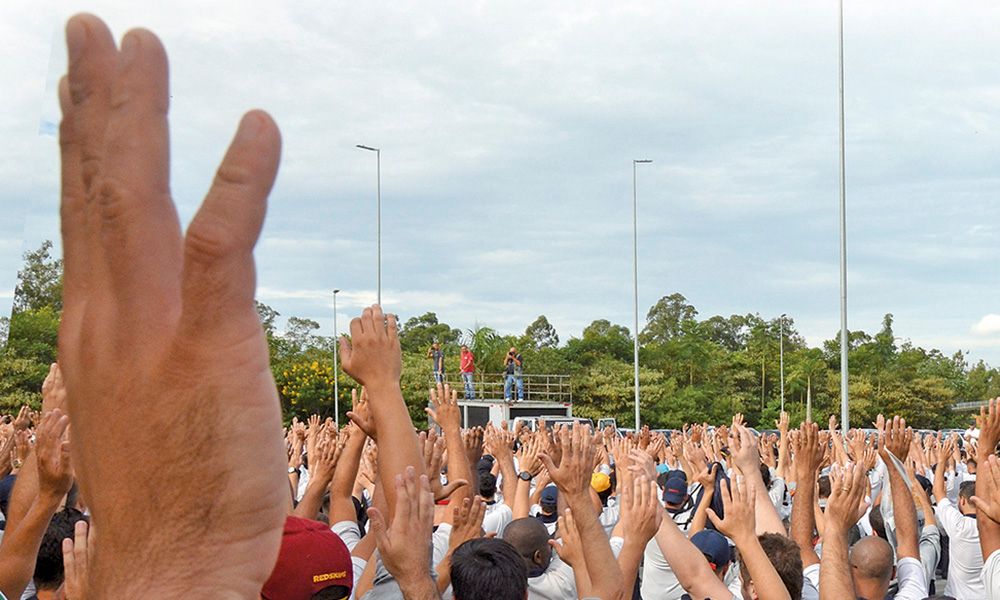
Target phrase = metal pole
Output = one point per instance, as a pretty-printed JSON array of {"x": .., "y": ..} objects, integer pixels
[
  {"x": 378, "y": 202},
  {"x": 635, "y": 286},
  {"x": 336, "y": 386},
  {"x": 378, "y": 219},
  {"x": 844, "y": 412},
  {"x": 781, "y": 358},
  {"x": 635, "y": 290}
]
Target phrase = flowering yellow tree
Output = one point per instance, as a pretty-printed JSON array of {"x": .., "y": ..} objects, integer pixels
[{"x": 306, "y": 387}]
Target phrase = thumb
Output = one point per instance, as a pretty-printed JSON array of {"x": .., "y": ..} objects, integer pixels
[
  {"x": 547, "y": 462},
  {"x": 557, "y": 547},
  {"x": 450, "y": 488},
  {"x": 345, "y": 352},
  {"x": 714, "y": 518}
]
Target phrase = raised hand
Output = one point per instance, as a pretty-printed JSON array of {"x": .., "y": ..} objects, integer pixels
[
  {"x": 405, "y": 547},
  {"x": 445, "y": 411},
  {"x": 361, "y": 415},
  {"x": 76, "y": 557},
  {"x": 988, "y": 422},
  {"x": 23, "y": 419},
  {"x": 641, "y": 512},
  {"x": 847, "y": 488},
  {"x": 372, "y": 355},
  {"x": 738, "y": 510},
  {"x": 528, "y": 456},
  {"x": 746, "y": 456},
  {"x": 989, "y": 471},
  {"x": 897, "y": 438},
  {"x": 467, "y": 521},
  {"x": 572, "y": 475},
  {"x": 175, "y": 312},
  {"x": 53, "y": 390},
  {"x": 55, "y": 473},
  {"x": 569, "y": 547}
]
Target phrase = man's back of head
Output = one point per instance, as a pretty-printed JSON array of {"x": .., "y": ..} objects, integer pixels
[
  {"x": 530, "y": 539},
  {"x": 871, "y": 565},
  {"x": 784, "y": 556},
  {"x": 488, "y": 569}
]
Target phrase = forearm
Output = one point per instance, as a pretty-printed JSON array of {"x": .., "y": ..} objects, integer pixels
[
  {"x": 629, "y": 560},
  {"x": 19, "y": 549},
  {"x": 344, "y": 477},
  {"x": 803, "y": 520},
  {"x": 687, "y": 563},
  {"x": 939, "y": 490},
  {"x": 765, "y": 578},
  {"x": 701, "y": 513},
  {"x": 312, "y": 499},
  {"x": 601, "y": 564},
  {"x": 392, "y": 422},
  {"x": 25, "y": 491},
  {"x": 834, "y": 575},
  {"x": 989, "y": 530},
  {"x": 905, "y": 515},
  {"x": 522, "y": 504},
  {"x": 458, "y": 463},
  {"x": 765, "y": 515},
  {"x": 508, "y": 486},
  {"x": 419, "y": 588}
]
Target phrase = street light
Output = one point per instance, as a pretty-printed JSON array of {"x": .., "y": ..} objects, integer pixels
[
  {"x": 336, "y": 343},
  {"x": 844, "y": 414},
  {"x": 635, "y": 283},
  {"x": 781, "y": 355},
  {"x": 378, "y": 217}
]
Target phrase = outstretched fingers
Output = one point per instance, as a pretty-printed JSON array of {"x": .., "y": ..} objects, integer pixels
[{"x": 218, "y": 248}]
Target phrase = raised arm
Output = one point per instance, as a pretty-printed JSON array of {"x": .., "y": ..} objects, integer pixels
[
  {"x": 572, "y": 476},
  {"x": 641, "y": 514},
  {"x": 987, "y": 498},
  {"x": 448, "y": 416},
  {"x": 688, "y": 563},
  {"x": 808, "y": 456},
  {"x": 897, "y": 443},
  {"x": 372, "y": 357},
  {"x": 738, "y": 525},
  {"x": 748, "y": 461},
  {"x": 847, "y": 487}
]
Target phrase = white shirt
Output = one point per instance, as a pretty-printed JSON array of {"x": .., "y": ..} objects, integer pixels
[
  {"x": 609, "y": 518},
  {"x": 965, "y": 558},
  {"x": 658, "y": 580},
  {"x": 930, "y": 550},
  {"x": 910, "y": 580},
  {"x": 991, "y": 575},
  {"x": 497, "y": 516},
  {"x": 556, "y": 583}
]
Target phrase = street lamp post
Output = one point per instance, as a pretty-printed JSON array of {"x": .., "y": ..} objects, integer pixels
[
  {"x": 378, "y": 218},
  {"x": 781, "y": 357},
  {"x": 844, "y": 413},
  {"x": 635, "y": 284},
  {"x": 336, "y": 343}
]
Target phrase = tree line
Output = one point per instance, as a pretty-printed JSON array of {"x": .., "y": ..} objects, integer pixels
[{"x": 692, "y": 369}]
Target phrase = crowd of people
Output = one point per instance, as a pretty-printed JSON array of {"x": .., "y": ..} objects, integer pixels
[{"x": 158, "y": 466}]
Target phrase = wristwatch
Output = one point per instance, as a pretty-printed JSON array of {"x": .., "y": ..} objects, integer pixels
[
  {"x": 292, "y": 470},
  {"x": 17, "y": 463},
  {"x": 524, "y": 476}
]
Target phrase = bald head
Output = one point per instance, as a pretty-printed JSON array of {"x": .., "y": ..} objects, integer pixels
[
  {"x": 530, "y": 538},
  {"x": 871, "y": 558}
]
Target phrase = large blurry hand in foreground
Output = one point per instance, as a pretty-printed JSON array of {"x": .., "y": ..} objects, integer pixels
[{"x": 174, "y": 411}]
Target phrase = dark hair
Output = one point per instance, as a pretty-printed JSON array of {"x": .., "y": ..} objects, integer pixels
[
  {"x": 487, "y": 485},
  {"x": 765, "y": 474},
  {"x": 49, "y": 573},
  {"x": 334, "y": 592},
  {"x": 877, "y": 521},
  {"x": 824, "y": 486},
  {"x": 488, "y": 569},
  {"x": 967, "y": 490},
  {"x": 784, "y": 556}
]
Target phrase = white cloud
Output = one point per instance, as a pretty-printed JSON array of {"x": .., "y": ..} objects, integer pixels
[{"x": 989, "y": 325}]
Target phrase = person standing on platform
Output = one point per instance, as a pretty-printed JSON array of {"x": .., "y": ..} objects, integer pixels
[
  {"x": 467, "y": 367},
  {"x": 514, "y": 368},
  {"x": 436, "y": 354}
]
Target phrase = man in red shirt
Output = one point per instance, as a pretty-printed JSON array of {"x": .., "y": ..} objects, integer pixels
[{"x": 467, "y": 367}]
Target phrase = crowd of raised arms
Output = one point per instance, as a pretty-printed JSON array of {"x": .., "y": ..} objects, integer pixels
[{"x": 158, "y": 466}]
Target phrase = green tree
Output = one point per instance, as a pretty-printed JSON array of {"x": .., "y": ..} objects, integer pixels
[
  {"x": 541, "y": 333},
  {"x": 418, "y": 333},
  {"x": 39, "y": 282},
  {"x": 666, "y": 318}
]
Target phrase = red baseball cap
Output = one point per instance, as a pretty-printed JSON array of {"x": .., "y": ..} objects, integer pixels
[{"x": 312, "y": 558}]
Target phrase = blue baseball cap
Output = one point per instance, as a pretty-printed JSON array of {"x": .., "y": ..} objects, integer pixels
[
  {"x": 714, "y": 546},
  {"x": 675, "y": 489},
  {"x": 549, "y": 496}
]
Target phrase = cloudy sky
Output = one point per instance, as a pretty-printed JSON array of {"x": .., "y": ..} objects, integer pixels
[{"x": 508, "y": 131}]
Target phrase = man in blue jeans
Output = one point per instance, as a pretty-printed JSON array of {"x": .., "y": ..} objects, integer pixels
[
  {"x": 467, "y": 367},
  {"x": 437, "y": 358},
  {"x": 514, "y": 374}
]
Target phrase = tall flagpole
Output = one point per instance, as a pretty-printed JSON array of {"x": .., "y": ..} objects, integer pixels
[{"x": 844, "y": 412}]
